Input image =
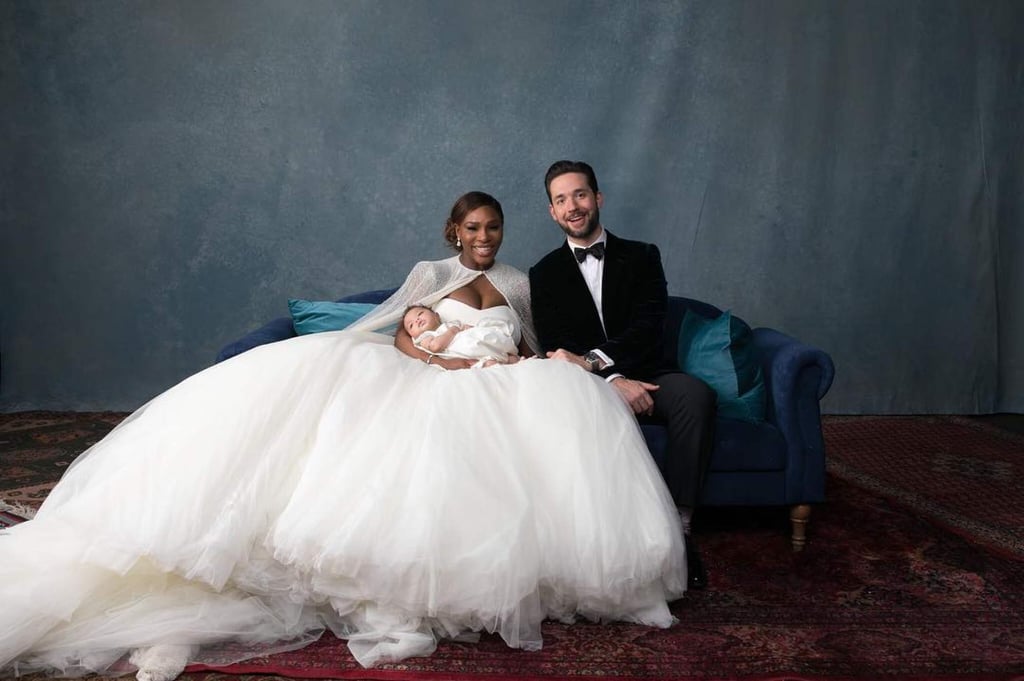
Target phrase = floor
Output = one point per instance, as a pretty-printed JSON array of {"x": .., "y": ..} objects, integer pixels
[{"x": 1011, "y": 422}]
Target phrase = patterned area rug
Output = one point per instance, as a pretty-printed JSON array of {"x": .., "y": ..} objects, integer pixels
[
  {"x": 952, "y": 470},
  {"x": 36, "y": 447},
  {"x": 881, "y": 591},
  {"x": 12, "y": 515}
]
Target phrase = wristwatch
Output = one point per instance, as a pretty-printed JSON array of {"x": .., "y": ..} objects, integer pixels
[{"x": 594, "y": 360}]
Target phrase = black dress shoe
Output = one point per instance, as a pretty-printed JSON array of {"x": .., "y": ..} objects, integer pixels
[{"x": 697, "y": 577}]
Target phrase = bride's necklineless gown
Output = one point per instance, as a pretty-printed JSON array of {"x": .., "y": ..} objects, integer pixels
[
  {"x": 330, "y": 482},
  {"x": 450, "y": 308}
]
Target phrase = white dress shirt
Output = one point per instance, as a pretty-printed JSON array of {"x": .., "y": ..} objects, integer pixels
[{"x": 592, "y": 270}]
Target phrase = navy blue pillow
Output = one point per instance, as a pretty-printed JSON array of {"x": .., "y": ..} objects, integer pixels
[{"x": 718, "y": 351}]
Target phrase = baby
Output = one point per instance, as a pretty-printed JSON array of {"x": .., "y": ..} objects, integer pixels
[{"x": 490, "y": 342}]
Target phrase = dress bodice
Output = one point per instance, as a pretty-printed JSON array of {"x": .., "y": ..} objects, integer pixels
[{"x": 450, "y": 309}]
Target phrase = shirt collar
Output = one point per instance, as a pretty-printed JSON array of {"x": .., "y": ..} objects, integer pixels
[{"x": 601, "y": 239}]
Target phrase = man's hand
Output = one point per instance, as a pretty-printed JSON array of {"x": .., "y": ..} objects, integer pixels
[
  {"x": 567, "y": 356},
  {"x": 637, "y": 394}
]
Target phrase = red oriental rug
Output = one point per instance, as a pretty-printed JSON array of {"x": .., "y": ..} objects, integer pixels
[
  {"x": 955, "y": 471},
  {"x": 883, "y": 589}
]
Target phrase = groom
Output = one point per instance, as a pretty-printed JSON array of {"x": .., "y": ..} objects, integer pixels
[{"x": 599, "y": 301}]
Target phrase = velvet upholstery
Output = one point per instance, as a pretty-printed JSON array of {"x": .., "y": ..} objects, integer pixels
[
  {"x": 782, "y": 460},
  {"x": 779, "y": 462}
]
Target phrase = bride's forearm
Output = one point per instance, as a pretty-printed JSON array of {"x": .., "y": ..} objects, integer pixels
[
  {"x": 404, "y": 344},
  {"x": 452, "y": 363},
  {"x": 403, "y": 341}
]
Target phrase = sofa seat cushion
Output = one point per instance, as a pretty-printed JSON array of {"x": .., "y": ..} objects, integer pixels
[
  {"x": 744, "y": 446},
  {"x": 739, "y": 445}
]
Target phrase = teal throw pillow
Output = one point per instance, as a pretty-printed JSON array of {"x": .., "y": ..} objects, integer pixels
[
  {"x": 314, "y": 316},
  {"x": 718, "y": 351}
]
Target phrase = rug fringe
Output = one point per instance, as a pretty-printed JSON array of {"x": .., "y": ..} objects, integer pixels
[{"x": 20, "y": 510}]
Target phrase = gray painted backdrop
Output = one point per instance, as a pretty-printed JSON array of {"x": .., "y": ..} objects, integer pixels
[{"x": 848, "y": 172}]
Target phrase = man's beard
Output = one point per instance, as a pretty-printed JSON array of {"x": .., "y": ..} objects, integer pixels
[{"x": 588, "y": 228}]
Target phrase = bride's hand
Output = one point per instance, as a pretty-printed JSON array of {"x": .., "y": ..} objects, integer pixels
[
  {"x": 452, "y": 363},
  {"x": 571, "y": 358}
]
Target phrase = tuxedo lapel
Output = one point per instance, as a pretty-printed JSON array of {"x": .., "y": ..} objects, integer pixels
[
  {"x": 616, "y": 264},
  {"x": 577, "y": 292}
]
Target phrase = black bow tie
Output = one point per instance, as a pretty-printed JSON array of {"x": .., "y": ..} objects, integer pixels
[{"x": 597, "y": 250}]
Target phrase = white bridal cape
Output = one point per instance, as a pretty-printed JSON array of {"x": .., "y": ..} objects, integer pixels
[{"x": 331, "y": 482}]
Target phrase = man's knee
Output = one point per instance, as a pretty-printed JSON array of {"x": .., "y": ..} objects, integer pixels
[
  {"x": 706, "y": 399},
  {"x": 690, "y": 394}
]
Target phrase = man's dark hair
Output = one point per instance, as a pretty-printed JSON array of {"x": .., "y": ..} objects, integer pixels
[{"x": 562, "y": 167}]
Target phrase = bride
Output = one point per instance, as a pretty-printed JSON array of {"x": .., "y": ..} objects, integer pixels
[{"x": 330, "y": 482}]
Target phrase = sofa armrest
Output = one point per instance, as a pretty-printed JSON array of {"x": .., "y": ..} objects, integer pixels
[
  {"x": 797, "y": 376},
  {"x": 784, "y": 357},
  {"x": 274, "y": 330}
]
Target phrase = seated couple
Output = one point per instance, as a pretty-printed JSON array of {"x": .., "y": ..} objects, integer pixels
[{"x": 330, "y": 482}]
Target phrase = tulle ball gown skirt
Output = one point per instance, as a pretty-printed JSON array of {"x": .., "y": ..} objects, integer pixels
[{"x": 329, "y": 482}]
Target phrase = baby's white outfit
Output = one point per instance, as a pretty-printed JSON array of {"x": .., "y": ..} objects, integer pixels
[{"x": 492, "y": 336}]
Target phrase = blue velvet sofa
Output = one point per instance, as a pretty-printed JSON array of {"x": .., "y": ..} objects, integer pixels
[{"x": 777, "y": 462}]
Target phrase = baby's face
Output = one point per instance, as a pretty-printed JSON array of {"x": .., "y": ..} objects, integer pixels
[{"x": 420, "y": 319}]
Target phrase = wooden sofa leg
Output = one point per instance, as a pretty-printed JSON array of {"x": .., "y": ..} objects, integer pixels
[{"x": 799, "y": 516}]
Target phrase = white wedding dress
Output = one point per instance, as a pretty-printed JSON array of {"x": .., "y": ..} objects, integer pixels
[{"x": 330, "y": 482}]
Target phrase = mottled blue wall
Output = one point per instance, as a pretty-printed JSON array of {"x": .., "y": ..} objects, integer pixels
[{"x": 849, "y": 172}]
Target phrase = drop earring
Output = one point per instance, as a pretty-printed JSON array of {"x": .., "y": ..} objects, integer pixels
[{"x": 458, "y": 242}]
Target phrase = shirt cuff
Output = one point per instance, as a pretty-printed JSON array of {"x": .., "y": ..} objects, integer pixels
[{"x": 611, "y": 378}]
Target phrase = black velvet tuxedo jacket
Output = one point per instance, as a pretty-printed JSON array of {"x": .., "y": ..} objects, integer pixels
[{"x": 634, "y": 299}]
